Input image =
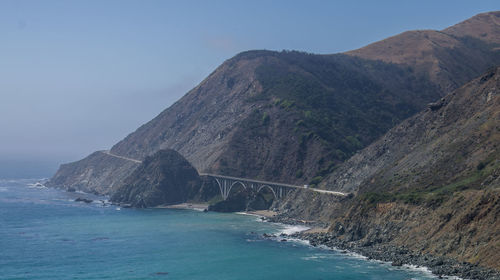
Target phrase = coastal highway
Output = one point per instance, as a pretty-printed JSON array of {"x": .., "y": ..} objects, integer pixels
[{"x": 117, "y": 156}]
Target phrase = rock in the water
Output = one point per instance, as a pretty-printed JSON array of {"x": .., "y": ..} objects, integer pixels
[
  {"x": 80, "y": 199},
  {"x": 397, "y": 263}
]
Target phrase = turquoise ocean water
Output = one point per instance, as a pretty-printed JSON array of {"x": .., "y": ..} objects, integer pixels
[{"x": 44, "y": 234}]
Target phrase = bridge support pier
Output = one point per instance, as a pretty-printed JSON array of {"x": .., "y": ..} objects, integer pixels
[{"x": 224, "y": 187}]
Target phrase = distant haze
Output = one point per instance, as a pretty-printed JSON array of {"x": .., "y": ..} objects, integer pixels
[{"x": 78, "y": 76}]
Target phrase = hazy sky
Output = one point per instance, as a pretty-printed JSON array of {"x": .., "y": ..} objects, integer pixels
[{"x": 78, "y": 76}]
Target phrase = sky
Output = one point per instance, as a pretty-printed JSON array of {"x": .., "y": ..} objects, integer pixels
[{"x": 78, "y": 76}]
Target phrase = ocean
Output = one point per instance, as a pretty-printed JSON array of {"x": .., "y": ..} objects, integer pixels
[{"x": 45, "y": 234}]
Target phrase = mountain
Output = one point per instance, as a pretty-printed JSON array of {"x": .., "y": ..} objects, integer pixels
[
  {"x": 291, "y": 116},
  {"x": 277, "y": 116},
  {"x": 432, "y": 183}
]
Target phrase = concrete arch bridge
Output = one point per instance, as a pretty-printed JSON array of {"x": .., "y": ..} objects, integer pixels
[{"x": 279, "y": 190}]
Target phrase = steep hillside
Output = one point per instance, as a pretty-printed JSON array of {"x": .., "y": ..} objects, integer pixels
[
  {"x": 455, "y": 140},
  {"x": 314, "y": 112},
  {"x": 431, "y": 183},
  {"x": 288, "y": 116}
]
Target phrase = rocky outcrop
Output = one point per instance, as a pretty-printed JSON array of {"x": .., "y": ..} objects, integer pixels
[{"x": 163, "y": 178}]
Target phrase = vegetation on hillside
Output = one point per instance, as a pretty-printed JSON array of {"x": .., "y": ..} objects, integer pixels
[
  {"x": 433, "y": 195},
  {"x": 343, "y": 101}
]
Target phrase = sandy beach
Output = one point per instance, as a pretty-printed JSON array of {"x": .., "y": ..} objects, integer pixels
[
  {"x": 263, "y": 213},
  {"x": 196, "y": 206}
]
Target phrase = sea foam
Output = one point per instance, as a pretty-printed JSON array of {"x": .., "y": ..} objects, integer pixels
[{"x": 291, "y": 229}]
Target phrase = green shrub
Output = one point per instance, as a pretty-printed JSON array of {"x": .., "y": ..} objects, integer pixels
[
  {"x": 265, "y": 119},
  {"x": 287, "y": 104},
  {"x": 300, "y": 123},
  {"x": 316, "y": 180},
  {"x": 377, "y": 197},
  {"x": 481, "y": 166}
]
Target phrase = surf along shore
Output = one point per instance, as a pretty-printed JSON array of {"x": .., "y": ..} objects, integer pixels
[
  {"x": 317, "y": 234},
  {"x": 442, "y": 267}
]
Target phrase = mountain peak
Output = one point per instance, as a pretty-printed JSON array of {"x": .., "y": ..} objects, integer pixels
[
  {"x": 448, "y": 57},
  {"x": 484, "y": 26}
]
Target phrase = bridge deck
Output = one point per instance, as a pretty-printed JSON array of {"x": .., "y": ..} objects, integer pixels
[
  {"x": 273, "y": 183},
  {"x": 121, "y": 157}
]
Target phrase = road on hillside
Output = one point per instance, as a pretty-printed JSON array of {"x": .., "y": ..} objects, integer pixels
[
  {"x": 122, "y": 157},
  {"x": 243, "y": 179}
]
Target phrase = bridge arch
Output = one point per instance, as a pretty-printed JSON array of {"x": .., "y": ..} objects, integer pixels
[
  {"x": 222, "y": 186},
  {"x": 269, "y": 187},
  {"x": 238, "y": 182},
  {"x": 233, "y": 184}
]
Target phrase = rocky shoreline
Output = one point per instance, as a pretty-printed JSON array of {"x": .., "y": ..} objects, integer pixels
[
  {"x": 399, "y": 256},
  {"x": 440, "y": 266}
]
